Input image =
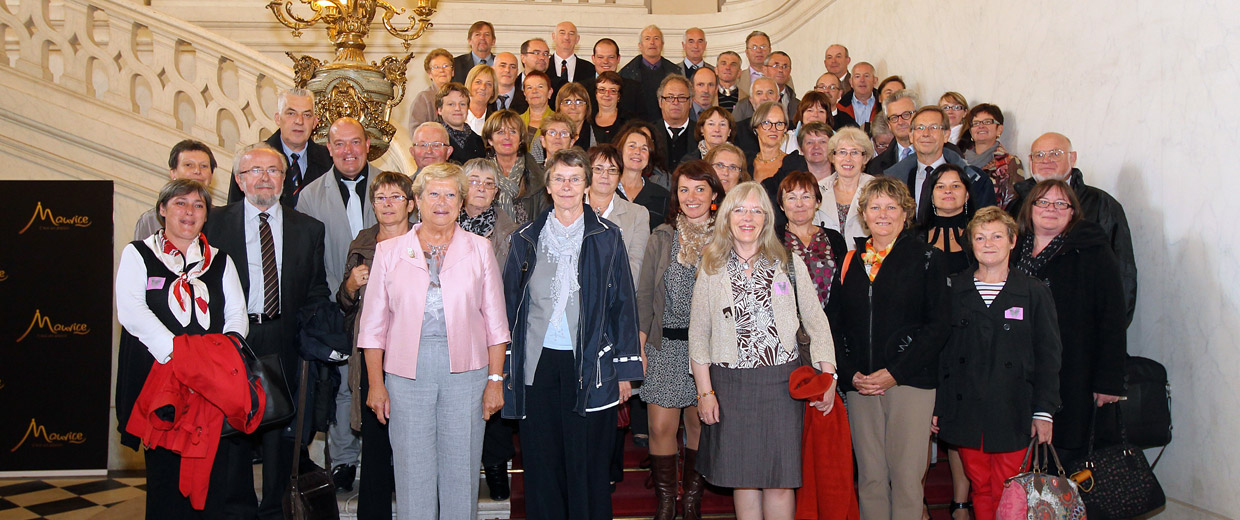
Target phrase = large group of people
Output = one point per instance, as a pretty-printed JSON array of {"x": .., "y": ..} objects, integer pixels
[{"x": 579, "y": 232}]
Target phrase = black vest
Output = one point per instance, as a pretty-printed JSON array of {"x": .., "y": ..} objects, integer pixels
[{"x": 134, "y": 361}]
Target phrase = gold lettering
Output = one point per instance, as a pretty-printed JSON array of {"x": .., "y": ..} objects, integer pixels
[
  {"x": 38, "y": 432},
  {"x": 43, "y": 322},
  {"x": 41, "y": 213},
  {"x": 3, "y": 275}
]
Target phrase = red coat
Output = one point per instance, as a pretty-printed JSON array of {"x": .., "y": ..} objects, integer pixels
[
  {"x": 184, "y": 402},
  {"x": 827, "y": 488}
]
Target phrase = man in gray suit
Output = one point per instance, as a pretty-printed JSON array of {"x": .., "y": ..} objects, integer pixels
[
  {"x": 341, "y": 201},
  {"x": 694, "y": 45}
]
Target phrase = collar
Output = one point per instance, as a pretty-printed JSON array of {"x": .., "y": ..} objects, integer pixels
[
  {"x": 571, "y": 58},
  {"x": 478, "y": 59},
  {"x": 276, "y": 212},
  {"x": 288, "y": 152},
  {"x": 728, "y": 91},
  {"x": 868, "y": 103},
  {"x": 610, "y": 204},
  {"x": 699, "y": 64},
  {"x": 683, "y": 127},
  {"x": 754, "y": 74},
  {"x": 921, "y": 167},
  {"x": 531, "y": 230},
  {"x": 652, "y": 65}
]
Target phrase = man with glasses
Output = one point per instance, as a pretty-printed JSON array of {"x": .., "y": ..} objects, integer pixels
[
  {"x": 834, "y": 89},
  {"x": 431, "y": 145},
  {"x": 307, "y": 160},
  {"x": 648, "y": 70},
  {"x": 675, "y": 135},
  {"x": 1051, "y": 157},
  {"x": 836, "y": 61},
  {"x": 535, "y": 56},
  {"x": 930, "y": 128},
  {"x": 341, "y": 201},
  {"x": 862, "y": 102},
  {"x": 481, "y": 38},
  {"x": 606, "y": 58},
  {"x": 898, "y": 115},
  {"x": 779, "y": 68},
  {"x": 757, "y": 48},
  {"x": 278, "y": 252}
]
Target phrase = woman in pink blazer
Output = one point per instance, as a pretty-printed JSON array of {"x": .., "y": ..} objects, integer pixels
[{"x": 435, "y": 329}]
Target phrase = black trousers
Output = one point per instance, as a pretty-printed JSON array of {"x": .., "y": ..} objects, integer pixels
[
  {"x": 566, "y": 455},
  {"x": 276, "y": 444},
  {"x": 163, "y": 477},
  {"x": 378, "y": 482},
  {"x": 497, "y": 441}
]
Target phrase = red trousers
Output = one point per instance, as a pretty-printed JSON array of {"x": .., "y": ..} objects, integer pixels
[{"x": 986, "y": 472}]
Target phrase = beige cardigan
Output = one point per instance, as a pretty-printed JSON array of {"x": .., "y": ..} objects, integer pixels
[{"x": 712, "y": 335}]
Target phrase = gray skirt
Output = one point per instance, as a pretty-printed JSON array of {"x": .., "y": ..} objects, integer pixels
[{"x": 757, "y": 441}]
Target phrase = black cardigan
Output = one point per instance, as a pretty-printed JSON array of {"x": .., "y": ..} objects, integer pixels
[
  {"x": 1000, "y": 365},
  {"x": 899, "y": 321}
]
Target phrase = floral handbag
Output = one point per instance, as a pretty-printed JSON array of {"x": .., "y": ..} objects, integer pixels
[{"x": 1037, "y": 495}]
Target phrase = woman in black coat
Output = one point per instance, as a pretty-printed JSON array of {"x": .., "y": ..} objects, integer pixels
[
  {"x": 999, "y": 374},
  {"x": 894, "y": 322},
  {"x": 1074, "y": 257}
]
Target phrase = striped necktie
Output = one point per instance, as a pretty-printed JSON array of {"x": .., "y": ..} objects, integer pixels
[{"x": 271, "y": 275}]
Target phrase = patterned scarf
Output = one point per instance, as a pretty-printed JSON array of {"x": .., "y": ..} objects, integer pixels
[
  {"x": 563, "y": 243},
  {"x": 873, "y": 258},
  {"x": 1033, "y": 265},
  {"x": 693, "y": 238},
  {"x": 457, "y": 137},
  {"x": 189, "y": 266},
  {"x": 510, "y": 187},
  {"x": 481, "y": 225}
]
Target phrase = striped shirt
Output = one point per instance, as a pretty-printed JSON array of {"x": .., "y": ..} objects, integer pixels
[{"x": 988, "y": 290}]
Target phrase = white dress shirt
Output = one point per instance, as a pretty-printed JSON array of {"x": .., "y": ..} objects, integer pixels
[
  {"x": 572, "y": 65},
  {"x": 254, "y": 252},
  {"x": 133, "y": 313},
  {"x": 921, "y": 177}
]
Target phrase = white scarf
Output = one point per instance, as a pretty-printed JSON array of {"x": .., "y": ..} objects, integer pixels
[
  {"x": 564, "y": 244},
  {"x": 188, "y": 266}
]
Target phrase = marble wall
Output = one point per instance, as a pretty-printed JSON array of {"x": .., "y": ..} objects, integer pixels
[{"x": 1147, "y": 91}]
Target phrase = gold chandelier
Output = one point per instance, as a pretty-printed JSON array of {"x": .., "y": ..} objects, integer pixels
[{"x": 348, "y": 85}]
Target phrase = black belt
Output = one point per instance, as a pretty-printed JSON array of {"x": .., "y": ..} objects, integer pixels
[
  {"x": 680, "y": 334},
  {"x": 260, "y": 318}
]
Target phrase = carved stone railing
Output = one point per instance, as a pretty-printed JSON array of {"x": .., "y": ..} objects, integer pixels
[{"x": 135, "y": 59}]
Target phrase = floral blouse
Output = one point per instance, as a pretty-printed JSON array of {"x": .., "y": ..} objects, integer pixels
[
  {"x": 757, "y": 338},
  {"x": 818, "y": 257}
]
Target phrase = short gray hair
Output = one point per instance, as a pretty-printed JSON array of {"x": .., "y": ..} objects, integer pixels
[
  {"x": 901, "y": 94},
  {"x": 282, "y": 97},
  {"x": 259, "y": 146}
]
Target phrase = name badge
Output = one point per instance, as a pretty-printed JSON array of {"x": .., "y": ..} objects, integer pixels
[
  {"x": 1015, "y": 313},
  {"x": 781, "y": 287},
  {"x": 155, "y": 283}
]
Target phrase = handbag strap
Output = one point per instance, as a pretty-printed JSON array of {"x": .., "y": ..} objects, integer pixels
[
  {"x": 847, "y": 261},
  {"x": 792, "y": 278},
  {"x": 1093, "y": 423}
]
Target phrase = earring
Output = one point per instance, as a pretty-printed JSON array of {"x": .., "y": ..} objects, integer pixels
[{"x": 714, "y": 207}]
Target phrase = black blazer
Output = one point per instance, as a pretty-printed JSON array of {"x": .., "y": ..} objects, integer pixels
[
  {"x": 584, "y": 73},
  {"x": 648, "y": 84},
  {"x": 473, "y": 149},
  {"x": 673, "y": 150},
  {"x": 793, "y": 162},
  {"x": 900, "y": 321},
  {"x": 882, "y": 161},
  {"x": 303, "y": 281},
  {"x": 318, "y": 162},
  {"x": 518, "y": 104},
  {"x": 1001, "y": 364}
]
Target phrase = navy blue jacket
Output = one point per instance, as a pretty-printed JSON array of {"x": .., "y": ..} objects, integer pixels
[
  {"x": 981, "y": 194},
  {"x": 606, "y": 350}
]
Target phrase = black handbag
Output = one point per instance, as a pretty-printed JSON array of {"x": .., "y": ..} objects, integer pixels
[
  {"x": 310, "y": 495},
  {"x": 1146, "y": 411},
  {"x": 269, "y": 373},
  {"x": 1116, "y": 481}
]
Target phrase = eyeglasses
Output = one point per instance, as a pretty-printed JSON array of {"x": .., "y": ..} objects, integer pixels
[
  {"x": 740, "y": 211},
  {"x": 906, "y": 115},
  {"x": 605, "y": 170},
  {"x": 609, "y": 91},
  {"x": 486, "y": 185},
  {"x": 780, "y": 66},
  {"x": 561, "y": 134},
  {"x": 952, "y": 107},
  {"x": 1060, "y": 205},
  {"x": 675, "y": 99},
  {"x": 842, "y": 153},
  {"x": 759, "y": 47},
  {"x": 575, "y": 181},
  {"x": 826, "y": 87},
  {"x": 542, "y": 54},
  {"x": 434, "y": 146},
  {"x": 577, "y": 102},
  {"x": 441, "y": 67},
  {"x": 983, "y": 122},
  {"x": 923, "y": 128},
  {"x": 778, "y": 125},
  {"x": 258, "y": 171},
  {"x": 730, "y": 168},
  {"x": 1049, "y": 154},
  {"x": 394, "y": 199}
]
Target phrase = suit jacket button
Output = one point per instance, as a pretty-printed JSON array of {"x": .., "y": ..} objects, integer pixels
[{"x": 1007, "y": 326}]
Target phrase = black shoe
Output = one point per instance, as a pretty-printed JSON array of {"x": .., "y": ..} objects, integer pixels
[
  {"x": 497, "y": 481},
  {"x": 343, "y": 476}
]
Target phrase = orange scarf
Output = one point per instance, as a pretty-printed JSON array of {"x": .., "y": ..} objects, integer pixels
[{"x": 873, "y": 258}]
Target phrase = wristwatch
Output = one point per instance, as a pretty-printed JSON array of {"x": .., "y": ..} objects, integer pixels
[{"x": 495, "y": 377}]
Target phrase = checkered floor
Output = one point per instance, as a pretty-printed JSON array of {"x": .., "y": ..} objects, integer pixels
[{"x": 65, "y": 499}]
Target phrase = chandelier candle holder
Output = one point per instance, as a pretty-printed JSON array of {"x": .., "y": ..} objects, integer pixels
[{"x": 348, "y": 85}]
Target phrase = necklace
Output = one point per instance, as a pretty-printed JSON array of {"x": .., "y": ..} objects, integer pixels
[
  {"x": 436, "y": 250},
  {"x": 768, "y": 161},
  {"x": 745, "y": 260}
]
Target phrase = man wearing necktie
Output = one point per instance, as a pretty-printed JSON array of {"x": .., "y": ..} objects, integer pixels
[
  {"x": 278, "y": 252},
  {"x": 508, "y": 92},
  {"x": 674, "y": 98},
  {"x": 727, "y": 72},
  {"x": 694, "y": 45},
  {"x": 306, "y": 159},
  {"x": 899, "y": 114},
  {"x": 481, "y": 38},
  {"x": 567, "y": 67},
  {"x": 930, "y": 129},
  {"x": 341, "y": 201}
]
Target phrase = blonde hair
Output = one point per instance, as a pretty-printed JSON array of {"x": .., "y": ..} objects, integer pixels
[
  {"x": 891, "y": 188},
  {"x": 721, "y": 243},
  {"x": 441, "y": 171}
]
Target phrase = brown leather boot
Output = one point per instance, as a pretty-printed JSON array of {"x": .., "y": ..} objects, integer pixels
[
  {"x": 663, "y": 469},
  {"x": 695, "y": 485}
]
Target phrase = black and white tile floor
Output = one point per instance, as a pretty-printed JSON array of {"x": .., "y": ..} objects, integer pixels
[{"x": 66, "y": 498}]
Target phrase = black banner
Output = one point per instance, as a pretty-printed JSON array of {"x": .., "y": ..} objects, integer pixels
[{"x": 56, "y": 325}]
